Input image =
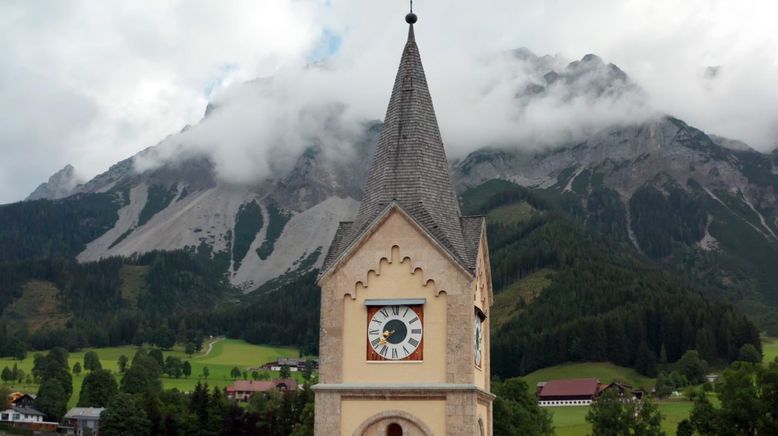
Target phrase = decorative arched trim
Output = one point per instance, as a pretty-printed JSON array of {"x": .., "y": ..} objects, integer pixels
[
  {"x": 399, "y": 415},
  {"x": 394, "y": 257}
]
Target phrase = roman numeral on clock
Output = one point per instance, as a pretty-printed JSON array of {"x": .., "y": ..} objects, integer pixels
[
  {"x": 384, "y": 312},
  {"x": 384, "y": 350},
  {"x": 373, "y": 332},
  {"x": 415, "y": 331},
  {"x": 375, "y": 342},
  {"x": 413, "y": 342},
  {"x": 394, "y": 353},
  {"x": 395, "y": 310}
]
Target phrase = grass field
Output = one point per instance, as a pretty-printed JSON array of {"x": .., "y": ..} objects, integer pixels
[
  {"x": 225, "y": 354},
  {"x": 571, "y": 421},
  {"x": 604, "y": 371},
  {"x": 769, "y": 349}
]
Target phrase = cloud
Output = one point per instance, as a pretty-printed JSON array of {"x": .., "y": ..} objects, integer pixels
[{"x": 94, "y": 82}]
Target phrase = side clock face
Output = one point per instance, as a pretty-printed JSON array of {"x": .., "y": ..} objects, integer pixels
[
  {"x": 394, "y": 333},
  {"x": 479, "y": 336}
]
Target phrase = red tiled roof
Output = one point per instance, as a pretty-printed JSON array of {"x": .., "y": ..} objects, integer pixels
[
  {"x": 261, "y": 386},
  {"x": 570, "y": 387}
]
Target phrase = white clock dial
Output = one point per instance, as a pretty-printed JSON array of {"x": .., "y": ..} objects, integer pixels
[
  {"x": 395, "y": 332},
  {"x": 478, "y": 345}
]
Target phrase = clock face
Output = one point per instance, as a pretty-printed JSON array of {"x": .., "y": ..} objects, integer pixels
[
  {"x": 394, "y": 333},
  {"x": 478, "y": 345}
]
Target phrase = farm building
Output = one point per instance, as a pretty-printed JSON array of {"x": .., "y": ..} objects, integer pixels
[
  {"x": 568, "y": 392},
  {"x": 580, "y": 392},
  {"x": 242, "y": 390}
]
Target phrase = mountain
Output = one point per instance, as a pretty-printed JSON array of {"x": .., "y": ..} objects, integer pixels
[
  {"x": 60, "y": 185},
  {"x": 265, "y": 230},
  {"x": 662, "y": 194},
  {"x": 671, "y": 192}
]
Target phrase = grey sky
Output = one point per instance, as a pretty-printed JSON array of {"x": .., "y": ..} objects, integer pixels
[{"x": 90, "y": 82}]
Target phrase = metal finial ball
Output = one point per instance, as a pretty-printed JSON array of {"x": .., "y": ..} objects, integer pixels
[{"x": 411, "y": 18}]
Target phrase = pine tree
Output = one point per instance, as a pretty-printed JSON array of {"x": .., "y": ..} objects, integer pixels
[
  {"x": 645, "y": 361},
  {"x": 124, "y": 416}
]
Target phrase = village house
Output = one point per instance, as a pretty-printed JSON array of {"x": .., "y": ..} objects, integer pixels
[
  {"x": 622, "y": 390},
  {"x": 21, "y": 399},
  {"x": 83, "y": 421},
  {"x": 26, "y": 417},
  {"x": 243, "y": 390}
]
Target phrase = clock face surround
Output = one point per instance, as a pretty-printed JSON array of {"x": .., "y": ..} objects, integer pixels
[{"x": 395, "y": 333}]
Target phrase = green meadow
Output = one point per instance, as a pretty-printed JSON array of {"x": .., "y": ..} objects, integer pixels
[
  {"x": 571, "y": 421},
  {"x": 769, "y": 349},
  {"x": 224, "y": 355}
]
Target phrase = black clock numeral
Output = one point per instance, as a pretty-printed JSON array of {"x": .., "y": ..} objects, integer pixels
[
  {"x": 413, "y": 342},
  {"x": 413, "y": 320},
  {"x": 406, "y": 311},
  {"x": 394, "y": 353},
  {"x": 406, "y": 350},
  {"x": 376, "y": 321},
  {"x": 375, "y": 342},
  {"x": 384, "y": 312},
  {"x": 395, "y": 310},
  {"x": 372, "y": 332},
  {"x": 383, "y": 351},
  {"x": 415, "y": 331}
]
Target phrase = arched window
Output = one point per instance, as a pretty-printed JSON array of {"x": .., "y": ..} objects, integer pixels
[{"x": 394, "y": 429}]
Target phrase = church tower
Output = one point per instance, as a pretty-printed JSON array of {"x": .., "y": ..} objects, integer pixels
[{"x": 406, "y": 290}]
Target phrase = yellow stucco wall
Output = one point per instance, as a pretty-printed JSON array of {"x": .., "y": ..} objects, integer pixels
[
  {"x": 483, "y": 414},
  {"x": 395, "y": 277},
  {"x": 355, "y": 412}
]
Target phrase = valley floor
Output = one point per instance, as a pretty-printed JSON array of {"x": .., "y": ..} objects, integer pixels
[{"x": 224, "y": 355}]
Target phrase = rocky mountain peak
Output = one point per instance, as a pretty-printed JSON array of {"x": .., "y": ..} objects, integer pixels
[{"x": 60, "y": 185}]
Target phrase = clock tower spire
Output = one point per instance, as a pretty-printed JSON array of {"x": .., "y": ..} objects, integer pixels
[{"x": 406, "y": 289}]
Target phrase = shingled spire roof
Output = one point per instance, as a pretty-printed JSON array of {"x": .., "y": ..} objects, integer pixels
[{"x": 410, "y": 168}]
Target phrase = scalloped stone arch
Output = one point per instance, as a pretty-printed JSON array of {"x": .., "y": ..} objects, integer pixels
[
  {"x": 361, "y": 285},
  {"x": 408, "y": 422}
]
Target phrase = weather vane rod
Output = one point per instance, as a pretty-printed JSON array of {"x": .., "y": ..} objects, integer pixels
[{"x": 411, "y": 6}]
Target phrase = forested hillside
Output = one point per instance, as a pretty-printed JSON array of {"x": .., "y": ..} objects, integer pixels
[
  {"x": 42, "y": 229},
  {"x": 158, "y": 298},
  {"x": 564, "y": 293}
]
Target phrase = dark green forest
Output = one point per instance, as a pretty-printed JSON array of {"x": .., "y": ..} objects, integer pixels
[{"x": 603, "y": 300}]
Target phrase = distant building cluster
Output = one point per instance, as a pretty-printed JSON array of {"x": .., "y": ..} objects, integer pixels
[
  {"x": 294, "y": 365},
  {"x": 580, "y": 392},
  {"x": 243, "y": 390}
]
